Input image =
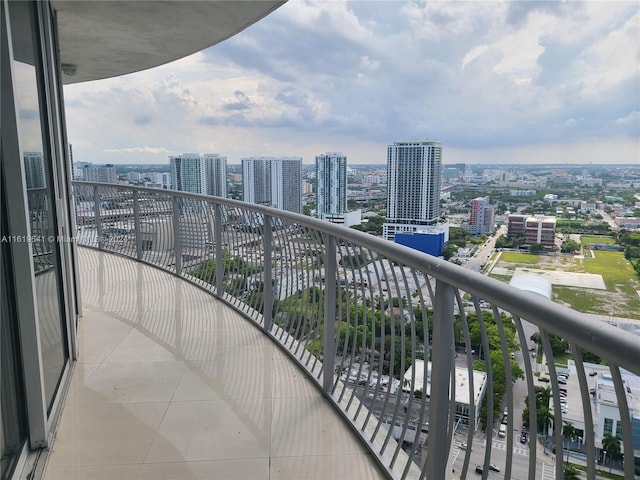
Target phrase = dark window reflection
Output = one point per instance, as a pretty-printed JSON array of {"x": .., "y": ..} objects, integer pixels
[
  {"x": 38, "y": 179},
  {"x": 13, "y": 430}
]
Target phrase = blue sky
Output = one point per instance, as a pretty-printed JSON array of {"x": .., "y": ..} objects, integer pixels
[{"x": 496, "y": 82}]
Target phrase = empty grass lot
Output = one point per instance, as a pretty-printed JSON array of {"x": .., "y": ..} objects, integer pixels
[
  {"x": 620, "y": 299},
  {"x": 516, "y": 257},
  {"x": 586, "y": 240}
]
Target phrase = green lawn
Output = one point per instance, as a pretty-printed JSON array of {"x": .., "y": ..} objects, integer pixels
[
  {"x": 620, "y": 299},
  {"x": 562, "y": 359},
  {"x": 586, "y": 239},
  {"x": 516, "y": 257},
  {"x": 579, "y": 299},
  {"x": 502, "y": 278},
  {"x": 614, "y": 268}
]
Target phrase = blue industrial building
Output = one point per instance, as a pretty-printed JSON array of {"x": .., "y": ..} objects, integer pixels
[{"x": 431, "y": 243}]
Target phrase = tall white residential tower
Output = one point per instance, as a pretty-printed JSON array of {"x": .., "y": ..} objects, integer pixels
[
  {"x": 205, "y": 174},
  {"x": 414, "y": 169},
  {"x": 331, "y": 185},
  {"x": 274, "y": 181}
]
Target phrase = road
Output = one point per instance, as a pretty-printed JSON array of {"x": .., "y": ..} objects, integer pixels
[
  {"x": 484, "y": 251},
  {"x": 519, "y": 465}
]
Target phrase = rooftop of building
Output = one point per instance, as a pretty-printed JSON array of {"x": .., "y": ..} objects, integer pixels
[{"x": 462, "y": 382}]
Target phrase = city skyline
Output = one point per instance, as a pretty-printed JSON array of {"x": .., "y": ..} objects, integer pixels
[{"x": 512, "y": 82}]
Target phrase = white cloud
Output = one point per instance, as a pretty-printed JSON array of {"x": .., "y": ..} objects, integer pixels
[
  {"x": 633, "y": 118},
  {"x": 146, "y": 149},
  {"x": 611, "y": 59},
  {"x": 319, "y": 76}
]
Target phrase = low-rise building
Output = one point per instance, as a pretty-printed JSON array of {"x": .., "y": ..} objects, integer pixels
[{"x": 414, "y": 380}]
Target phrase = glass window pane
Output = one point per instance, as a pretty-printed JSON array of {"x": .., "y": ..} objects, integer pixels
[
  {"x": 13, "y": 429},
  {"x": 37, "y": 164}
]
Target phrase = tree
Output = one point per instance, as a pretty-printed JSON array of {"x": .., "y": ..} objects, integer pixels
[
  {"x": 611, "y": 445},
  {"x": 536, "y": 248},
  {"x": 535, "y": 337},
  {"x": 543, "y": 395},
  {"x": 569, "y": 246},
  {"x": 568, "y": 433},
  {"x": 571, "y": 472},
  {"x": 545, "y": 420},
  {"x": 450, "y": 250}
]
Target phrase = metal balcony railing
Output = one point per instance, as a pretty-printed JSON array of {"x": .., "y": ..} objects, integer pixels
[{"x": 415, "y": 353}]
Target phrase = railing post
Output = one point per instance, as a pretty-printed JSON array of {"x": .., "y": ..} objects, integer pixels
[
  {"x": 267, "y": 295},
  {"x": 441, "y": 359},
  {"x": 176, "y": 234},
  {"x": 219, "y": 260},
  {"x": 136, "y": 225},
  {"x": 96, "y": 217},
  {"x": 328, "y": 338}
]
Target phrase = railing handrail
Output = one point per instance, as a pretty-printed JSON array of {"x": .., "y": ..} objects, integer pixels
[{"x": 587, "y": 332}]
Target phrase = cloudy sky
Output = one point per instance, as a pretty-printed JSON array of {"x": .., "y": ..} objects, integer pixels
[{"x": 512, "y": 82}]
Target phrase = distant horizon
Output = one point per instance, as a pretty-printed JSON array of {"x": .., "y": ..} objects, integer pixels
[{"x": 575, "y": 165}]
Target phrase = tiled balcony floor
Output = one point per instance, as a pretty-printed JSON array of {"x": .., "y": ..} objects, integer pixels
[{"x": 172, "y": 384}]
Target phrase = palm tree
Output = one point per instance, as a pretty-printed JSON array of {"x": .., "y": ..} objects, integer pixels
[
  {"x": 611, "y": 445},
  {"x": 545, "y": 420},
  {"x": 568, "y": 432},
  {"x": 543, "y": 396}
]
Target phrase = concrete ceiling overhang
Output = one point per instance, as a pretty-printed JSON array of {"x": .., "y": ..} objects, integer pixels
[{"x": 102, "y": 39}]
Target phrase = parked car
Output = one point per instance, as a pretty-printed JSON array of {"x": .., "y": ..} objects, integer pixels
[{"x": 543, "y": 379}]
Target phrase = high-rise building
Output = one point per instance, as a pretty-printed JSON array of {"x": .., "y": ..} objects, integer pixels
[
  {"x": 414, "y": 170},
  {"x": 205, "y": 174},
  {"x": 331, "y": 185},
  {"x": 274, "y": 181},
  {"x": 103, "y": 174},
  {"x": 162, "y": 179},
  {"x": 482, "y": 216},
  {"x": 215, "y": 167},
  {"x": 34, "y": 169}
]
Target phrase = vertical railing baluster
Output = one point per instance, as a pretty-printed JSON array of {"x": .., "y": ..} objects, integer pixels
[
  {"x": 96, "y": 217},
  {"x": 136, "y": 225},
  {"x": 267, "y": 239},
  {"x": 441, "y": 359},
  {"x": 218, "y": 240},
  {"x": 328, "y": 338},
  {"x": 177, "y": 243},
  {"x": 625, "y": 419}
]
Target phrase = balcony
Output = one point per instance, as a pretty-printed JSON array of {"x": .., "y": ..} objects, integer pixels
[
  {"x": 259, "y": 314},
  {"x": 172, "y": 383}
]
